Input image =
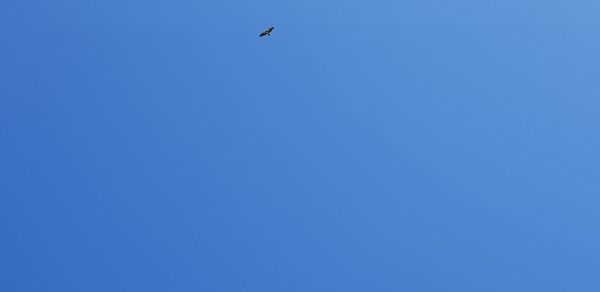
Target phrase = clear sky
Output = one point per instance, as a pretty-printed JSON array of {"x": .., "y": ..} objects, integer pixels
[{"x": 365, "y": 146}]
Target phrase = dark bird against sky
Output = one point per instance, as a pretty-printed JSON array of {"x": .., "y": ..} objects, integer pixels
[{"x": 267, "y": 32}]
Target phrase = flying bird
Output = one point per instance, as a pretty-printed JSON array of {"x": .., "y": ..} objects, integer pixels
[{"x": 267, "y": 32}]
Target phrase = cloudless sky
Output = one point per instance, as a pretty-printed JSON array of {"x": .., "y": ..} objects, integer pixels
[{"x": 365, "y": 146}]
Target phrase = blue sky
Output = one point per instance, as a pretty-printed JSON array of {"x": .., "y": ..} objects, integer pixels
[{"x": 366, "y": 146}]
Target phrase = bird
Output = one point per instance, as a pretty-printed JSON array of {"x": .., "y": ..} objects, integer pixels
[{"x": 267, "y": 32}]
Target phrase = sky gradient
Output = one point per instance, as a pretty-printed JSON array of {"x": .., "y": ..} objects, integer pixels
[{"x": 365, "y": 146}]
